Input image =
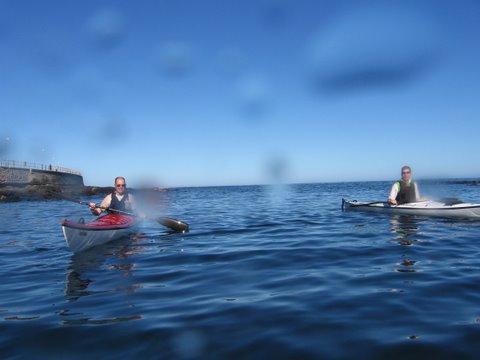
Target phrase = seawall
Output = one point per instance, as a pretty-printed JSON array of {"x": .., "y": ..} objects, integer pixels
[
  {"x": 22, "y": 180},
  {"x": 21, "y": 174}
]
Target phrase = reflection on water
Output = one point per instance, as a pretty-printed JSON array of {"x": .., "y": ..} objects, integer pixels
[
  {"x": 76, "y": 286},
  {"x": 406, "y": 230},
  {"x": 407, "y": 266},
  {"x": 85, "y": 266},
  {"x": 405, "y": 227}
]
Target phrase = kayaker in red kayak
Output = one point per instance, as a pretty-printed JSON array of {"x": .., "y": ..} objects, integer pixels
[
  {"x": 405, "y": 190},
  {"x": 120, "y": 199}
]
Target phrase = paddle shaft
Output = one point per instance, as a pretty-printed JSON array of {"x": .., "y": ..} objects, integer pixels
[{"x": 108, "y": 209}]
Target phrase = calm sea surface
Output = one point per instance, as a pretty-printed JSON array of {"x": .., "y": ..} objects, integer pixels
[{"x": 278, "y": 273}]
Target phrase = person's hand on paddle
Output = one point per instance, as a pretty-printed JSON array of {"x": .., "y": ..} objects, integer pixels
[
  {"x": 392, "y": 201},
  {"x": 94, "y": 209}
]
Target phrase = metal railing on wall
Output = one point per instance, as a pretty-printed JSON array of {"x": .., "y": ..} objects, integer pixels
[{"x": 34, "y": 166}]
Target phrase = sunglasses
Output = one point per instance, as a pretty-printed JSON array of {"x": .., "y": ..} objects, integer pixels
[
  {"x": 120, "y": 185},
  {"x": 405, "y": 172}
]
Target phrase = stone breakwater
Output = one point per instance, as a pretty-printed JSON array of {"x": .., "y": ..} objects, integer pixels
[
  {"x": 26, "y": 181},
  {"x": 10, "y": 176},
  {"x": 29, "y": 181}
]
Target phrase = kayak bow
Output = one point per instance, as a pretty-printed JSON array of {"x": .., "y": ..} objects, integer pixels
[{"x": 81, "y": 236}]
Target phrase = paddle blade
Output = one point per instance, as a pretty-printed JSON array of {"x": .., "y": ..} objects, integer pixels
[
  {"x": 450, "y": 201},
  {"x": 173, "y": 224}
]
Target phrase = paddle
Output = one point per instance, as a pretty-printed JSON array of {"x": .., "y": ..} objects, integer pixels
[
  {"x": 168, "y": 222},
  {"x": 361, "y": 204},
  {"x": 450, "y": 201}
]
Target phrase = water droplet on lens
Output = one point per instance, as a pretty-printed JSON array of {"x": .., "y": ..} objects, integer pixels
[
  {"x": 372, "y": 47},
  {"x": 276, "y": 12},
  {"x": 105, "y": 125},
  {"x": 5, "y": 146},
  {"x": 253, "y": 94},
  {"x": 189, "y": 344},
  {"x": 175, "y": 59},
  {"x": 107, "y": 28},
  {"x": 53, "y": 53},
  {"x": 277, "y": 169},
  {"x": 232, "y": 61},
  {"x": 39, "y": 151}
]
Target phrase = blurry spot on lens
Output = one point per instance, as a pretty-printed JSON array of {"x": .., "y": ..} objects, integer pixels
[
  {"x": 5, "y": 146},
  {"x": 111, "y": 128},
  {"x": 275, "y": 13},
  {"x": 374, "y": 46},
  {"x": 53, "y": 54},
  {"x": 151, "y": 197},
  {"x": 277, "y": 169},
  {"x": 253, "y": 97},
  {"x": 40, "y": 150},
  {"x": 189, "y": 344},
  {"x": 232, "y": 61},
  {"x": 107, "y": 28},
  {"x": 175, "y": 59}
]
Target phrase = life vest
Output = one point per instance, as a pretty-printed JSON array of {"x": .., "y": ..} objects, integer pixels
[
  {"x": 121, "y": 205},
  {"x": 406, "y": 193}
]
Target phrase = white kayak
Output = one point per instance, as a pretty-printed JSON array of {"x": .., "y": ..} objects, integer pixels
[
  {"x": 81, "y": 236},
  {"x": 452, "y": 209}
]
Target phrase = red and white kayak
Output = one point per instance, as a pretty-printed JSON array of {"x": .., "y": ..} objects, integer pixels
[{"x": 81, "y": 236}]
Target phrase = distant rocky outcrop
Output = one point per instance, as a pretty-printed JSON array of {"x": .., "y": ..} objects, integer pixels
[{"x": 465, "y": 182}]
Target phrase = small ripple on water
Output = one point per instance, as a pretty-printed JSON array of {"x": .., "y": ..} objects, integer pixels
[
  {"x": 21, "y": 318},
  {"x": 102, "y": 321}
]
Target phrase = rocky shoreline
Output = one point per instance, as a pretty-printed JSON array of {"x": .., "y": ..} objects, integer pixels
[
  {"x": 49, "y": 192},
  {"x": 56, "y": 192}
]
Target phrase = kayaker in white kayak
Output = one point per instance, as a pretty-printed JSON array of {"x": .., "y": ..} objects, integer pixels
[
  {"x": 405, "y": 190},
  {"x": 120, "y": 199}
]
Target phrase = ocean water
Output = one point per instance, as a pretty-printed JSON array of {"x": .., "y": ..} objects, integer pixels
[{"x": 278, "y": 272}]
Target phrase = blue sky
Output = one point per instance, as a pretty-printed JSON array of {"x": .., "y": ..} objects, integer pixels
[{"x": 226, "y": 92}]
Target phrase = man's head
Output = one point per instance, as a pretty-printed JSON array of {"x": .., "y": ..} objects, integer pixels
[
  {"x": 406, "y": 173},
  {"x": 120, "y": 185}
]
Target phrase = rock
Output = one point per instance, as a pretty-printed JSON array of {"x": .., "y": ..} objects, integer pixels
[
  {"x": 8, "y": 197},
  {"x": 59, "y": 192}
]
